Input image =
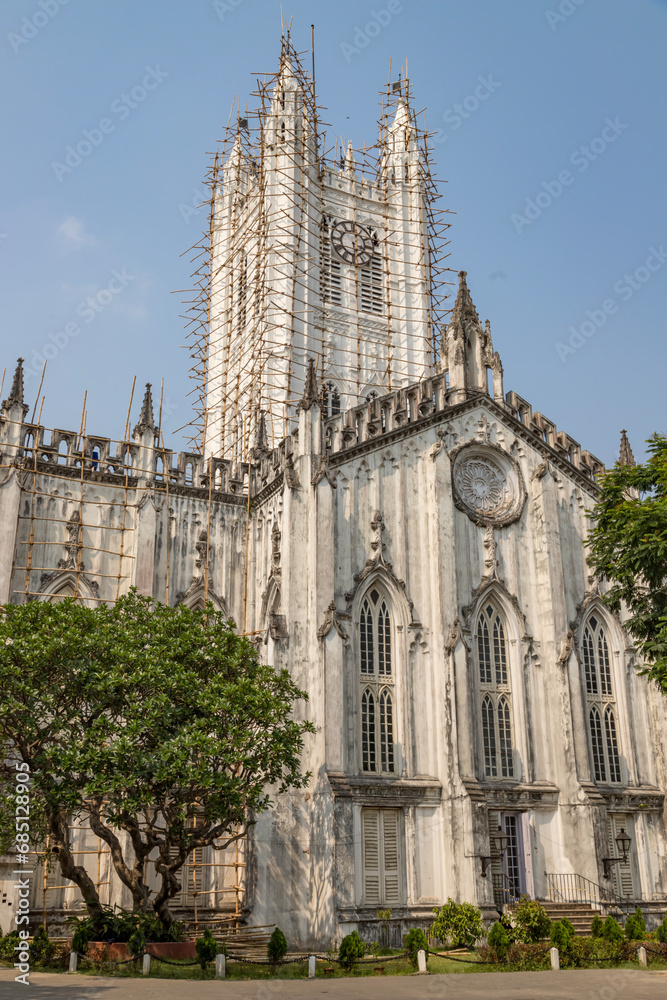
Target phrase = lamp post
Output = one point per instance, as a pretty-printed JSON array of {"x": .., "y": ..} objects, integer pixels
[
  {"x": 499, "y": 844},
  {"x": 623, "y": 841}
]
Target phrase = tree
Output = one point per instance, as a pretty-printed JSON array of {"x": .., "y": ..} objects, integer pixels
[
  {"x": 628, "y": 546},
  {"x": 158, "y": 726}
]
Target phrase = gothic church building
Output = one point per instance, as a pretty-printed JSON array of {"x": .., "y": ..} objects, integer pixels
[{"x": 403, "y": 535}]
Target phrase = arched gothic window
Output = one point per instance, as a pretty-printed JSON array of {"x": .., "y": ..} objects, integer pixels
[
  {"x": 377, "y": 684},
  {"x": 601, "y": 704},
  {"x": 496, "y": 698},
  {"x": 330, "y": 400}
]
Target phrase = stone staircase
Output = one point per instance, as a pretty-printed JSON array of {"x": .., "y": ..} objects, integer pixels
[{"x": 580, "y": 915}]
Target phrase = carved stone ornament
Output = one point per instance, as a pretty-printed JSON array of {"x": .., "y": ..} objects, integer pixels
[{"x": 487, "y": 484}]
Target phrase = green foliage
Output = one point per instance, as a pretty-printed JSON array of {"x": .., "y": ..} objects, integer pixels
[
  {"x": 531, "y": 920},
  {"x": 116, "y": 924},
  {"x": 460, "y": 924},
  {"x": 416, "y": 941},
  {"x": 635, "y": 926},
  {"x": 597, "y": 923},
  {"x": 628, "y": 546},
  {"x": 561, "y": 934},
  {"x": 41, "y": 948},
  {"x": 206, "y": 947},
  {"x": 612, "y": 930},
  {"x": 7, "y": 945},
  {"x": 130, "y": 713},
  {"x": 498, "y": 941},
  {"x": 277, "y": 947},
  {"x": 661, "y": 931},
  {"x": 351, "y": 949},
  {"x": 384, "y": 915}
]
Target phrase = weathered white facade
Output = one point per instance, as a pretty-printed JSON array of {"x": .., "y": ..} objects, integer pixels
[{"x": 416, "y": 557}]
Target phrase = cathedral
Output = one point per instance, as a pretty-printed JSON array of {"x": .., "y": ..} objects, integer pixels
[{"x": 367, "y": 502}]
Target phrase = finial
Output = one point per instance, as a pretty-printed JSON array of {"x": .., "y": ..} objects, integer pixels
[
  {"x": 626, "y": 457},
  {"x": 146, "y": 419},
  {"x": 310, "y": 394},
  {"x": 16, "y": 391}
]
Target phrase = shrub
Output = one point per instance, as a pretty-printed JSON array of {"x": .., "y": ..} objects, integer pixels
[
  {"x": 562, "y": 932},
  {"x": 635, "y": 926},
  {"x": 41, "y": 949},
  {"x": 498, "y": 941},
  {"x": 206, "y": 947},
  {"x": 612, "y": 930},
  {"x": 597, "y": 923},
  {"x": 277, "y": 947},
  {"x": 414, "y": 942},
  {"x": 661, "y": 931},
  {"x": 351, "y": 949},
  {"x": 117, "y": 924},
  {"x": 7, "y": 944},
  {"x": 531, "y": 920},
  {"x": 458, "y": 923}
]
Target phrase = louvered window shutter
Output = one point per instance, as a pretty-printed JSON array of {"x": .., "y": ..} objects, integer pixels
[
  {"x": 370, "y": 821},
  {"x": 623, "y": 880},
  {"x": 391, "y": 857},
  {"x": 496, "y": 859}
]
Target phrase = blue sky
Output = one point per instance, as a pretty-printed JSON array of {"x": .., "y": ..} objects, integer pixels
[{"x": 574, "y": 88}]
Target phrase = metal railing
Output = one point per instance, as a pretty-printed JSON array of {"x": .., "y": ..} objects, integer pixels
[
  {"x": 505, "y": 890},
  {"x": 572, "y": 888}
]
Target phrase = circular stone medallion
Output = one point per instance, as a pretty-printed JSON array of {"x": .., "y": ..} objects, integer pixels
[{"x": 487, "y": 485}]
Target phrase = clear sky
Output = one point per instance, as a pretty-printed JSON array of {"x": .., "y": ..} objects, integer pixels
[{"x": 544, "y": 88}]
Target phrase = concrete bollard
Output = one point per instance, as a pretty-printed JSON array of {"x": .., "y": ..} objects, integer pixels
[
  {"x": 555, "y": 961},
  {"x": 641, "y": 955},
  {"x": 312, "y": 961},
  {"x": 421, "y": 960},
  {"x": 146, "y": 965},
  {"x": 220, "y": 966},
  {"x": 72, "y": 961}
]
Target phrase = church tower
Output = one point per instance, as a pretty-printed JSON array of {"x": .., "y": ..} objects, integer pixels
[{"x": 314, "y": 251}]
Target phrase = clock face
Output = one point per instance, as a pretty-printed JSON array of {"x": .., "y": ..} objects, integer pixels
[{"x": 354, "y": 244}]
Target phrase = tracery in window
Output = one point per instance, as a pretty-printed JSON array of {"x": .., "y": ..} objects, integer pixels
[
  {"x": 377, "y": 684},
  {"x": 602, "y": 727},
  {"x": 330, "y": 400},
  {"x": 496, "y": 703}
]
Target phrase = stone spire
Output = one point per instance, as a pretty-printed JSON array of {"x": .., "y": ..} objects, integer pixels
[
  {"x": 310, "y": 395},
  {"x": 146, "y": 419},
  {"x": 262, "y": 439},
  {"x": 626, "y": 457},
  {"x": 16, "y": 391},
  {"x": 464, "y": 307}
]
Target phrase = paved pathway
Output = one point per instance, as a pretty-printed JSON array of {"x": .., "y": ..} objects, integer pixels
[{"x": 607, "y": 984}]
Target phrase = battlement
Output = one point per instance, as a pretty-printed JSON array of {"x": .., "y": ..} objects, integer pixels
[{"x": 394, "y": 411}]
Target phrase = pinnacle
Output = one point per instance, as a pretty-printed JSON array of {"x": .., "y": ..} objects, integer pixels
[
  {"x": 626, "y": 457},
  {"x": 464, "y": 307},
  {"x": 310, "y": 395},
  {"x": 146, "y": 419},
  {"x": 262, "y": 440},
  {"x": 16, "y": 391}
]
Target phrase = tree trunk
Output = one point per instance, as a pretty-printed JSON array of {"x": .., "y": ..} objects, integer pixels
[
  {"x": 131, "y": 877},
  {"x": 59, "y": 836}
]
